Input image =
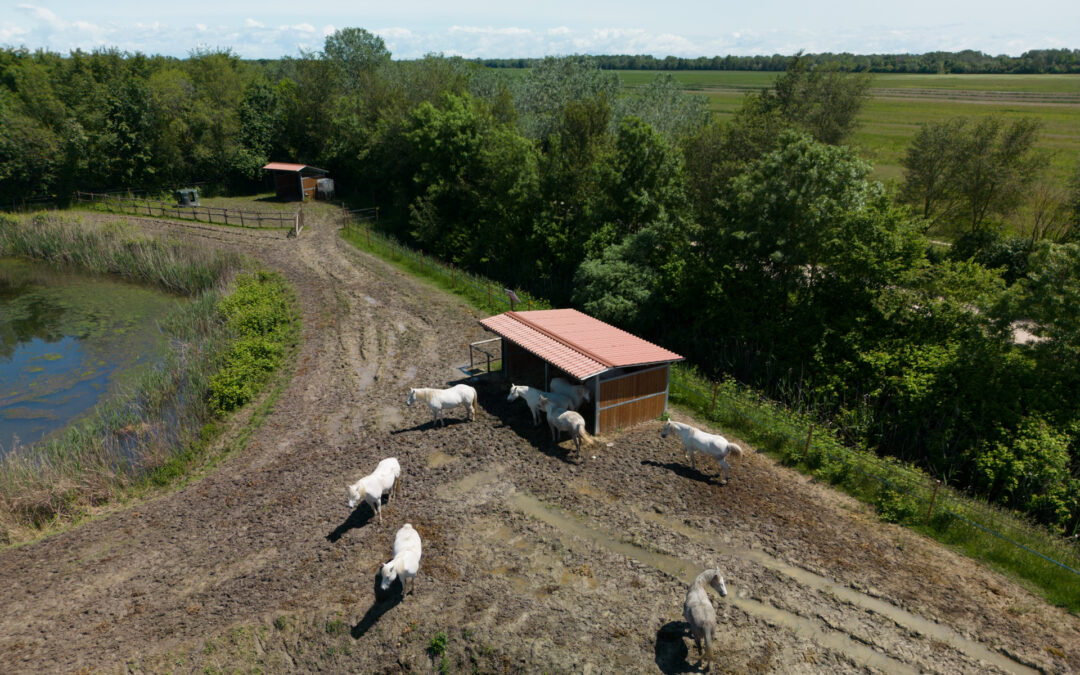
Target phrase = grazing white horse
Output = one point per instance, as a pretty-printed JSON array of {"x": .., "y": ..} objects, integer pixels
[
  {"x": 440, "y": 399},
  {"x": 562, "y": 420},
  {"x": 697, "y": 440},
  {"x": 575, "y": 392},
  {"x": 531, "y": 396},
  {"x": 699, "y": 613},
  {"x": 406, "y": 561}
]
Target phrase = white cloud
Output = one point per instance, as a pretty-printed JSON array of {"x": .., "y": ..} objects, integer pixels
[
  {"x": 46, "y": 15},
  {"x": 328, "y": 30},
  {"x": 304, "y": 28},
  {"x": 201, "y": 27},
  {"x": 252, "y": 23}
]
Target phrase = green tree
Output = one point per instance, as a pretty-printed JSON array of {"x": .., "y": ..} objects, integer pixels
[
  {"x": 963, "y": 173},
  {"x": 821, "y": 100}
]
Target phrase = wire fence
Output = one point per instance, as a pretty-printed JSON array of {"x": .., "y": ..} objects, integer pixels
[
  {"x": 794, "y": 437},
  {"x": 148, "y": 207}
]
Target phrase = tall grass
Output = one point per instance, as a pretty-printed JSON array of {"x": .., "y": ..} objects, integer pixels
[
  {"x": 159, "y": 426},
  {"x": 115, "y": 248},
  {"x": 899, "y": 493}
]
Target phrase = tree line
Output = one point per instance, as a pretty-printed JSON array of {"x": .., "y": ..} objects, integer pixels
[
  {"x": 757, "y": 246},
  {"x": 1036, "y": 61}
]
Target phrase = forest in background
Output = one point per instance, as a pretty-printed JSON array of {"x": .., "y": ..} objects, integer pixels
[
  {"x": 756, "y": 245},
  {"x": 968, "y": 61}
]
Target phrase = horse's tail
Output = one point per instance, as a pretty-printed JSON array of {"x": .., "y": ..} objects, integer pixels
[
  {"x": 589, "y": 440},
  {"x": 735, "y": 450},
  {"x": 472, "y": 404}
]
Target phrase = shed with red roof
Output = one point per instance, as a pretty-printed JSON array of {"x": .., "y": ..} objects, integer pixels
[
  {"x": 295, "y": 181},
  {"x": 626, "y": 375}
]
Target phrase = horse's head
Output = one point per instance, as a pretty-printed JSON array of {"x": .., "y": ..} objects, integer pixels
[
  {"x": 412, "y": 397},
  {"x": 667, "y": 428},
  {"x": 544, "y": 401},
  {"x": 354, "y": 496},
  {"x": 717, "y": 582},
  {"x": 587, "y": 396},
  {"x": 389, "y": 573},
  {"x": 515, "y": 391}
]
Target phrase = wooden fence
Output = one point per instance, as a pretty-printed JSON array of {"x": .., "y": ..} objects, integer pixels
[{"x": 202, "y": 214}]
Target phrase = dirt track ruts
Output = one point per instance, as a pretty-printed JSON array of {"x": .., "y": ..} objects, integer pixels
[{"x": 534, "y": 559}]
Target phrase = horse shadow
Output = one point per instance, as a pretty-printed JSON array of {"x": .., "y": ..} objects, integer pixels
[
  {"x": 430, "y": 424},
  {"x": 359, "y": 517},
  {"x": 670, "y": 652},
  {"x": 384, "y": 602},
  {"x": 685, "y": 472}
]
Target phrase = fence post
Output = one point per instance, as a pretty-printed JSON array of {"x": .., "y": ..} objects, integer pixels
[
  {"x": 806, "y": 448},
  {"x": 490, "y": 306},
  {"x": 453, "y": 276},
  {"x": 933, "y": 498},
  {"x": 715, "y": 391}
]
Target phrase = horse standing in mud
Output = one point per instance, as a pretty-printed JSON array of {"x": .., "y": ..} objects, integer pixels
[
  {"x": 441, "y": 399},
  {"x": 697, "y": 440}
]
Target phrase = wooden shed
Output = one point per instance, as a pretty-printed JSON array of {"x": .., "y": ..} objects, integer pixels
[
  {"x": 295, "y": 181},
  {"x": 626, "y": 375}
]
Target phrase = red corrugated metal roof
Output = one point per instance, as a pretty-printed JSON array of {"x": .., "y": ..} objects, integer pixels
[{"x": 576, "y": 342}]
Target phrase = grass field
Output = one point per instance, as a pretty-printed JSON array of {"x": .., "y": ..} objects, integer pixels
[{"x": 901, "y": 103}]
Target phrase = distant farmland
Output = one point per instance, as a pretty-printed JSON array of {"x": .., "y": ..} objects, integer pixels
[{"x": 901, "y": 103}]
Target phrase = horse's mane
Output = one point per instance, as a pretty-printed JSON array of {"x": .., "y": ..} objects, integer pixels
[{"x": 425, "y": 393}]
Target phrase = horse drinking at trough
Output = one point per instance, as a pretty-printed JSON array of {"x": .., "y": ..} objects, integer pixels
[
  {"x": 441, "y": 399},
  {"x": 699, "y": 441},
  {"x": 531, "y": 396},
  {"x": 561, "y": 419}
]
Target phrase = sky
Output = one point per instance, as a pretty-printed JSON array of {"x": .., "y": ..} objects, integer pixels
[{"x": 486, "y": 29}]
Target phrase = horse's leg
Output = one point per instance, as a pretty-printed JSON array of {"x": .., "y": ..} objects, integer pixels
[{"x": 724, "y": 466}]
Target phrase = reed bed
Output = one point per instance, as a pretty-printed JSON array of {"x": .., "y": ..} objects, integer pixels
[{"x": 158, "y": 428}]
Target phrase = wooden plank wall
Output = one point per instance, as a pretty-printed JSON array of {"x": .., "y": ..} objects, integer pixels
[
  {"x": 628, "y": 388},
  {"x": 629, "y": 414}
]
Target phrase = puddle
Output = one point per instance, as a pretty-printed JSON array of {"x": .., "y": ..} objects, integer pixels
[
  {"x": 439, "y": 458},
  {"x": 370, "y": 300},
  {"x": 389, "y": 417},
  {"x": 902, "y": 617},
  {"x": 468, "y": 484},
  {"x": 686, "y": 570}
]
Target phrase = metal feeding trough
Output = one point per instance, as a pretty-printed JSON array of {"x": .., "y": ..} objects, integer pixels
[{"x": 187, "y": 197}]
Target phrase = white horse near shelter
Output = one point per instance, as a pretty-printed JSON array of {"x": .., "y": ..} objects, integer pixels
[
  {"x": 560, "y": 420},
  {"x": 441, "y": 399},
  {"x": 575, "y": 392},
  {"x": 531, "y": 396},
  {"x": 697, "y": 440}
]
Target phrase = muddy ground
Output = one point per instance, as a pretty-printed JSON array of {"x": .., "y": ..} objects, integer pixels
[{"x": 535, "y": 559}]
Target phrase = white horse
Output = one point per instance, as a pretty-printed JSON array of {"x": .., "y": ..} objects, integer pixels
[
  {"x": 531, "y": 396},
  {"x": 699, "y": 613},
  {"x": 575, "y": 392},
  {"x": 440, "y": 399},
  {"x": 697, "y": 440},
  {"x": 561, "y": 419}
]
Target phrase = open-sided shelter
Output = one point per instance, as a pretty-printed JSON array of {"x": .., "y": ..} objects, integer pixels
[
  {"x": 626, "y": 375},
  {"x": 295, "y": 181}
]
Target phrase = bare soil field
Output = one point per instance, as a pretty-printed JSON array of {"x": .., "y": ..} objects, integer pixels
[{"x": 534, "y": 559}]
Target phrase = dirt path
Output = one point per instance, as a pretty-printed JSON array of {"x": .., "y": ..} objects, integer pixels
[{"x": 533, "y": 560}]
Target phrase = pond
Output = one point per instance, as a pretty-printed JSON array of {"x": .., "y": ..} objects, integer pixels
[{"x": 67, "y": 341}]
